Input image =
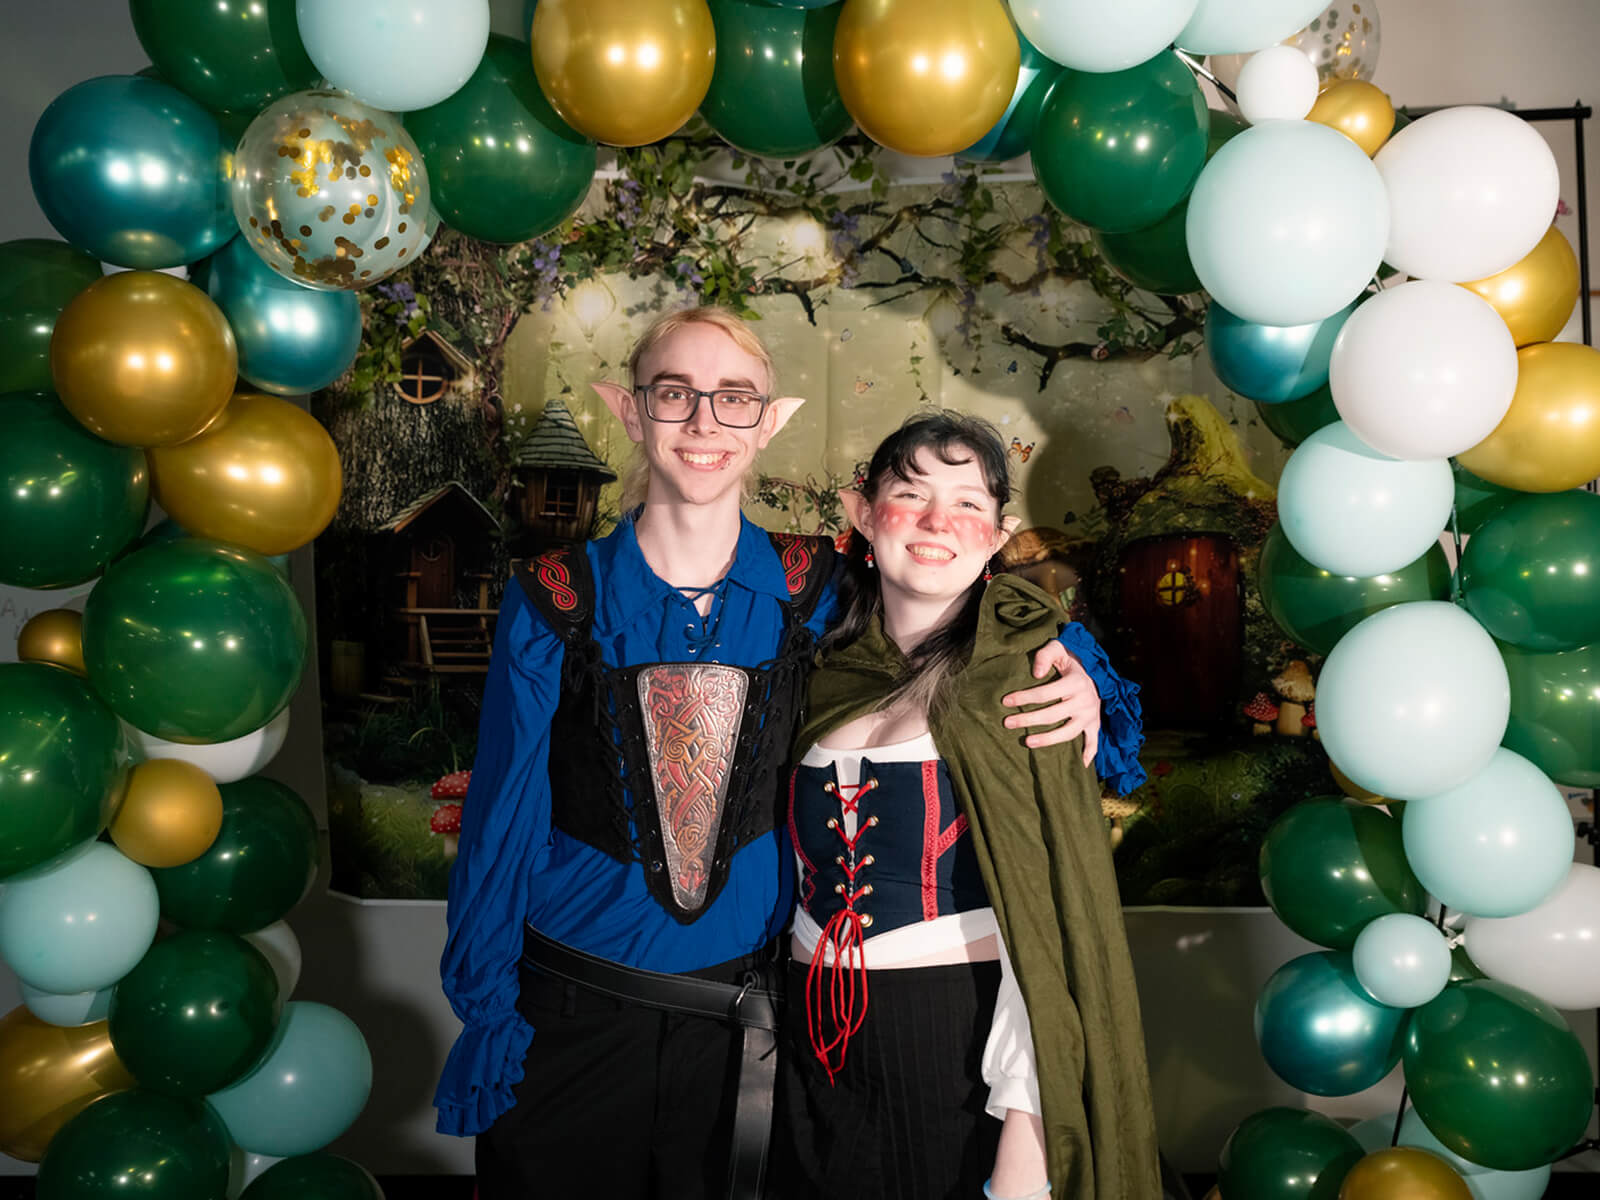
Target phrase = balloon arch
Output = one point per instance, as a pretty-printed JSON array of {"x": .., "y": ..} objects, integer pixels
[{"x": 264, "y": 152}]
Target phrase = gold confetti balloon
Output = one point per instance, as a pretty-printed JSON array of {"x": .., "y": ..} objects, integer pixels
[
  {"x": 1343, "y": 42},
  {"x": 330, "y": 192}
]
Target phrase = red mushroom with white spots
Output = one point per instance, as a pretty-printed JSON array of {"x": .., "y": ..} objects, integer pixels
[
  {"x": 452, "y": 786},
  {"x": 447, "y": 821},
  {"x": 1263, "y": 712},
  {"x": 1309, "y": 722}
]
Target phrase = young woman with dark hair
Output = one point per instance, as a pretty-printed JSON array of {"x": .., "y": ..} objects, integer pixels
[{"x": 962, "y": 1016}]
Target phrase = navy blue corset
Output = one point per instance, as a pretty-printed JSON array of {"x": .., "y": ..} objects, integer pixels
[{"x": 911, "y": 858}]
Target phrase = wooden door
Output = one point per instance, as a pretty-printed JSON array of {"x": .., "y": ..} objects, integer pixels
[{"x": 433, "y": 558}]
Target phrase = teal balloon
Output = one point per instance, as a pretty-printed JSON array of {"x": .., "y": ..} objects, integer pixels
[
  {"x": 1319, "y": 1030},
  {"x": 194, "y": 640},
  {"x": 292, "y": 340},
  {"x": 195, "y": 1014},
  {"x": 1478, "y": 500},
  {"x": 63, "y": 759},
  {"x": 1555, "y": 712},
  {"x": 311, "y": 1084},
  {"x": 1118, "y": 151},
  {"x": 137, "y": 1144},
  {"x": 1271, "y": 363},
  {"x": 1316, "y": 608},
  {"x": 1498, "y": 1076},
  {"x": 69, "y": 502},
  {"x": 1013, "y": 132},
  {"x": 1293, "y": 421},
  {"x": 79, "y": 923},
  {"x": 38, "y": 278},
  {"x": 502, "y": 167},
  {"x": 134, "y": 172},
  {"x": 1531, "y": 573},
  {"x": 314, "y": 1177},
  {"x": 772, "y": 92},
  {"x": 1286, "y": 1154},
  {"x": 1329, "y": 866},
  {"x": 260, "y": 866}
]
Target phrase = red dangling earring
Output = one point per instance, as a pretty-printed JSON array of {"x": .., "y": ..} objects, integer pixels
[
  {"x": 870, "y": 561},
  {"x": 987, "y": 574}
]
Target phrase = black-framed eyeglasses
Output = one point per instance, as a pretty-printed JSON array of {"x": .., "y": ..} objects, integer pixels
[{"x": 675, "y": 403}]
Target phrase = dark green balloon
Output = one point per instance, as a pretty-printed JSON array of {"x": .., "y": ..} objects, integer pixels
[
  {"x": 138, "y": 1145},
  {"x": 1316, "y": 608},
  {"x": 1294, "y": 421},
  {"x": 1498, "y": 1076},
  {"x": 314, "y": 1177},
  {"x": 502, "y": 167},
  {"x": 38, "y": 277},
  {"x": 236, "y": 57},
  {"x": 773, "y": 93},
  {"x": 195, "y": 1014},
  {"x": 62, "y": 762},
  {"x": 194, "y": 640},
  {"x": 1321, "y": 1032},
  {"x": 1531, "y": 573},
  {"x": 69, "y": 502},
  {"x": 1286, "y": 1154},
  {"x": 1328, "y": 866},
  {"x": 1555, "y": 712},
  {"x": 1462, "y": 968},
  {"x": 1118, "y": 151},
  {"x": 1477, "y": 500},
  {"x": 260, "y": 866},
  {"x": 1013, "y": 132}
]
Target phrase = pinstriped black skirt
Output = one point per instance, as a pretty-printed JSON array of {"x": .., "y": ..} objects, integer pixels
[{"x": 904, "y": 1119}]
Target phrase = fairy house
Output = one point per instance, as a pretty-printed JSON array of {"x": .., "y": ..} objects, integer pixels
[
  {"x": 441, "y": 551},
  {"x": 556, "y": 480},
  {"x": 431, "y": 368}
]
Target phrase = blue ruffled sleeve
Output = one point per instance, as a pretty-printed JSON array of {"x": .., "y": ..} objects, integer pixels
[
  {"x": 505, "y": 829},
  {"x": 1121, "y": 716}
]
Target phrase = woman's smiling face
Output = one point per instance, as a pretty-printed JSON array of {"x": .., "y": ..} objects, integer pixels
[{"x": 932, "y": 534}]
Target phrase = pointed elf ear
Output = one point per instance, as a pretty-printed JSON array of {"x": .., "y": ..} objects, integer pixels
[
  {"x": 1008, "y": 526},
  {"x": 857, "y": 510},
  {"x": 623, "y": 407},
  {"x": 777, "y": 416}
]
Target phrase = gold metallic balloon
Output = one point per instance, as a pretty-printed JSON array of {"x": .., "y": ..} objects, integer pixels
[
  {"x": 1358, "y": 110},
  {"x": 54, "y": 636},
  {"x": 625, "y": 72},
  {"x": 265, "y": 476},
  {"x": 1403, "y": 1173},
  {"x": 1549, "y": 441},
  {"x": 1353, "y": 789},
  {"x": 925, "y": 77},
  {"x": 49, "y": 1074},
  {"x": 143, "y": 359},
  {"x": 170, "y": 814},
  {"x": 1537, "y": 294}
]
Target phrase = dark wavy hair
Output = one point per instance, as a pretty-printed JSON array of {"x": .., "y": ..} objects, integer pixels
[{"x": 955, "y": 438}]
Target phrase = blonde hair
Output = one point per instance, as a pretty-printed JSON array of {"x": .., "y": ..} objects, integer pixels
[{"x": 636, "y": 475}]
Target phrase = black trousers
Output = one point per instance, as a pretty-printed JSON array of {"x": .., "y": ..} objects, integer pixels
[
  {"x": 904, "y": 1119},
  {"x": 617, "y": 1102}
]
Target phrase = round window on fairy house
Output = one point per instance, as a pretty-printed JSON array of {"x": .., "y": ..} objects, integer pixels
[{"x": 425, "y": 373}]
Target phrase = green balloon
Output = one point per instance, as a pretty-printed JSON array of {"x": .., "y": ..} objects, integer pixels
[
  {"x": 1477, "y": 500},
  {"x": 1316, "y": 608},
  {"x": 62, "y": 762},
  {"x": 502, "y": 167},
  {"x": 236, "y": 57},
  {"x": 1462, "y": 968},
  {"x": 314, "y": 1177},
  {"x": 1498, "y": 1076},
  {"x": 194, "y": 640},
  {"x": 1328, "y": 866},
  {"x": 1118, "y": 151},
  {"x": 1286, "y": 1154},
  {"x": 69, "y": 502},
  {"x": 1294, "y": 421},
  {"x": 1531, "y": 574},
  {"x": 773, "y": 93},
  {"x": 260, "y": 866},
  {"x": 195, "y": 1014},
  {"x": 1555, "y": 712},
  {"x": 38, "y": 277},
  {"x": 137, "y": 1144}
]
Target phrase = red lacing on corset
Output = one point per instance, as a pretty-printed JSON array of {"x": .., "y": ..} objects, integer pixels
[{"x": 842, "y": 984}]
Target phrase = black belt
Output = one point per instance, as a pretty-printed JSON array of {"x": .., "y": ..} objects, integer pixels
[{"x": 748, "y": 1005}]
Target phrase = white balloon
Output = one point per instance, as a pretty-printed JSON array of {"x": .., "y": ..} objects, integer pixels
[
  {"x": 73, "y": 1008},
  {"x": 1240, "y": 26},
  {"x": 1277, "y": 84},
  {"x": 1552, "y": 950},
  {"x": 1471, "y": 191},
  {"x": 225, "y": 762},
  {"x": 1287, "y": 223},
  {"x": 1089, "y": 35},
  {"x": 1353, "y": 511},
  {"x": 281, "y": 949},
  {"x": 1423, "y": 370}
]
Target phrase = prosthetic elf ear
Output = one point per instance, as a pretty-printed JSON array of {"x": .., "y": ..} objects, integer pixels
[
  {"x": 623, "y": 407},
  {"x": 1008, "y": 526},
  {"x": 857, "y": 510},
  {"x": 778, "y": 413}
]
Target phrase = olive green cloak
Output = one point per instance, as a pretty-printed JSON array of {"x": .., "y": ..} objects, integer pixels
[{"x": 1046, "y": 862}]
